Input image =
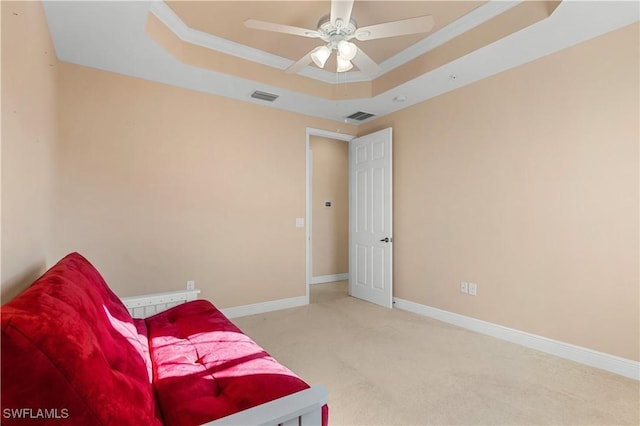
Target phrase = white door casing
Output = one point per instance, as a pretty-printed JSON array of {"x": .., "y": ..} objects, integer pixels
[{"x": 370, "y": 218}]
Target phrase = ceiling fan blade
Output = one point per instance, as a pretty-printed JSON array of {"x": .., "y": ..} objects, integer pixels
[
  {"x": 302, "y": 62},
  {"x": 279, "y": 28},
  {"x": 341, "y": 9},
  {"x": 365, "y": 63},
  {"x": 420, "y": 24}
]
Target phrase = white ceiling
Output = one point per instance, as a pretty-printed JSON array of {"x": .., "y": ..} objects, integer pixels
[{"x": 110, "y": 35}]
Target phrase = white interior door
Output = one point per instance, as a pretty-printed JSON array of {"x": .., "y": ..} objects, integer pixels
[{"x": 370, "y": 227}]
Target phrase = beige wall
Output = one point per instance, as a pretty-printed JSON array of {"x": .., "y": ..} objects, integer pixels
[
  {"x": 28, "y": 136},
  {"x": 526, "y": 183},
  {"x": 330, "y": 225},
  {"x": 158, "y": 185}
]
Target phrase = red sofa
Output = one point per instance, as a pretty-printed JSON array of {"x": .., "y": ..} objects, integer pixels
[{"x": 72, "y": 352}]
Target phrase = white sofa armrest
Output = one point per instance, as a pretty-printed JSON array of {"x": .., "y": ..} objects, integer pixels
[
  {"x": 150, "y": 304},
  {"x": 301, "y": 408}
]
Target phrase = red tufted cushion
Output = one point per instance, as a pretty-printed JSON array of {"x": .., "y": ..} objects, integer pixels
[
  {"x": 69, "y": 345},
  {"x": 205, "y": 368}
]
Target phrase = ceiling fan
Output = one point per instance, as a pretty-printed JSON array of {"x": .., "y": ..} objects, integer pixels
[{"x": 336, "y": 29}]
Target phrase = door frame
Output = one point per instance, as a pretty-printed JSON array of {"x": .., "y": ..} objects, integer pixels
[{"x": 309, "y": 180}]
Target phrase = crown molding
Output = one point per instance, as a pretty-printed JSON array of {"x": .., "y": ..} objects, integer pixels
[
  {"x": 187, "y": 34},
  {"x": 209, "y": 41},
  {"x": 487, "y": 11},
  {"x": 84, "y": 33}
]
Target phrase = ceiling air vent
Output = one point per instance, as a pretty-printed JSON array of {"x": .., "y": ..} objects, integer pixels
[
  {"x": 264, "y": 96},
  {"x": 360, "y": 116}
]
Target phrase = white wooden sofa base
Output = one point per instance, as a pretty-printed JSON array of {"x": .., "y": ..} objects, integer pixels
[{"x": 302, "y": 408}]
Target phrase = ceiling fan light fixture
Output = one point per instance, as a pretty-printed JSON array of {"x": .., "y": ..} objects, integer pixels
[
  {"x": 336, "y": 29},
  {"x": 320, "y": 55},
  {"x": 347, "y": 49},
  {"x": 343, "y": 64}
]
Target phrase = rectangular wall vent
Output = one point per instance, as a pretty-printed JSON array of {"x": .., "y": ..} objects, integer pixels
[
  {"x": 264, "y": 96},
  {"x": 360, "y": 116}
]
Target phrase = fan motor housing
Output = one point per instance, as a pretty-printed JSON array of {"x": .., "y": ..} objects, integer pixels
[{"x": 329, "y": 30}]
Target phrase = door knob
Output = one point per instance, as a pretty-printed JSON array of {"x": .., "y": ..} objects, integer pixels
[{"x": 385, "y": 240}]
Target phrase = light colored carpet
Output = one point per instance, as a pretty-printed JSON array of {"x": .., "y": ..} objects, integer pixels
[{"x": 388, "y": 367}]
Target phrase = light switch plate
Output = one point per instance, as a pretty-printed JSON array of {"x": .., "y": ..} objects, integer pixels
[{"x": 299, "y": 222}]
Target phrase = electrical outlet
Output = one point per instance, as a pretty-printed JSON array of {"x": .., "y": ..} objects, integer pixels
[
  {"x": 191, "y": 285},
  {"x": 473, "y": 289},
  {"x": 464, "y": 288}
]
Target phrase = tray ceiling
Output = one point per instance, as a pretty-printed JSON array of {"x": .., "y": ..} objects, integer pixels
[{"x": 204, "y": 46}]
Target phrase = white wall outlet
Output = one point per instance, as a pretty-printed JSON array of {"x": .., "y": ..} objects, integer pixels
[
  {"x": 299, "y": 222},
  {"x": 464, "y": 288},
  {"x": 191, "y": 285},
  {"x": 473, "y": 289}
]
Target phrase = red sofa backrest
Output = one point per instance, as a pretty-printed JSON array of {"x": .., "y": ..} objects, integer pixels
[{"x": 70, "y": 350}]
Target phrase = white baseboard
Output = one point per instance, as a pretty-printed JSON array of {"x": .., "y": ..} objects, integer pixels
[
  {"x": 260, "y": 308},
  {"x": 321, "y": 279},
  {"x": 614, "y": 364}
]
